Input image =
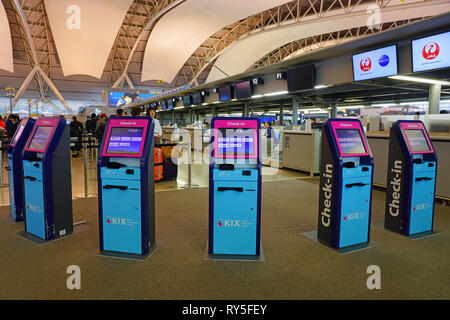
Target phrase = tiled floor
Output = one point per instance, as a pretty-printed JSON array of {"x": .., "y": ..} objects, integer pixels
[{"x": 199, "y": 177}]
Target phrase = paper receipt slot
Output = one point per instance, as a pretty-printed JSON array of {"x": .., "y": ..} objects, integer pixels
[
  {"x": 47, "y": 180},
  {"x": 411, "y": 179},
  {"x": 15, "y": 168},
  {"x": 345, "y": 185},
  {"x": 234, "y": 187},
  {"x": 126, "y": 186}
]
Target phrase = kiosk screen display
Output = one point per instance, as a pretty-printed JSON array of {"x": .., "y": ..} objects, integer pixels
[
  {"x": 417, "y": 140},
  {"x": 18, "y": 134},
  {"x": 238, "y": 141},
  {"x": 124, "y": 140},
  {"x": 350, "y": 141},
  {"x": 40, "y": 138}
]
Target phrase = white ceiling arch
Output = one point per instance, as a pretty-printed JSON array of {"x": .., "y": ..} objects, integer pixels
[
  {"x": 84, "y": 32},
  {"x": 6, "y": 50},
  {"x": 181, "y": 31},
  {"x": 242, "y": 54}
]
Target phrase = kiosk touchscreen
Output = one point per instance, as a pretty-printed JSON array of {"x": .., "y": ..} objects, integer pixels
[
  {"x": 411, "y": 179},
  {"x": 234, "y": 187},
  {"x": 345, "y": 184},
  {"x": 126, "y": 186},
  {"x": 47, "y": 180},
  {"x": 15, "y": 168}
]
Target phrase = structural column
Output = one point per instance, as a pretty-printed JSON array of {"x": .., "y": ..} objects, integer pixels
[
  {"x": 433, "y": 99},
  {"x": 295, "y": 104},
  {"x": 333, "y": 113},
  {"x": 245, "y": 112},
  {"x": 281, "y": 114}
]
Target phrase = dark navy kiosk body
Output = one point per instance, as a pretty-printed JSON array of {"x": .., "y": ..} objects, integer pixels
[
  {"x": 15, "y": 168},
  {"x": 126, "y": 186},
  {"x": 47, "y": 180},
  {"x": 345, "y": 184},
  {"x": 411, "y": 179},
  {"x": 234, "y": 187}
]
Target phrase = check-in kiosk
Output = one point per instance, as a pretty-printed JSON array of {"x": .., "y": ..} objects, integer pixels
[
  {"x": 126, "y": 186},
  {"x": 47, "y": 180},
  {"x": 346, "y": 174},
  {"x": 234, "y": 187},
  {"x": 15, "y": 168},
  {"x": 411, "y": 179}
]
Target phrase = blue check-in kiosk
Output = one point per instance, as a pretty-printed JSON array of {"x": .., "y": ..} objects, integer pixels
[
  {"x": 15, "y": 168},
  {"x": 411, "y": 179},
  {"x": 47, "y": 180},
  {"x": 234, "y": 187},
  {"x": 126, "y": 186},
  {"x": 345, "y": 192}
]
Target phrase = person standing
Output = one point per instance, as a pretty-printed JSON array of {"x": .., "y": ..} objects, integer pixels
[
  {"x": 158, "y": 131},
  {"x": 76, "y": 131},
  {"x": 100, "y": 127}
]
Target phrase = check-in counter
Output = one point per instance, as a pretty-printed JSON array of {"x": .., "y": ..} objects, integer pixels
[
  {"x": 301, "y": 150},
  {"x": 379, "y": 144}
]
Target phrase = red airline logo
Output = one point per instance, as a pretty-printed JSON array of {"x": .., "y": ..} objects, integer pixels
[
  {"x": 365, "y": 64},
  {"x": 430, "y": 51}
]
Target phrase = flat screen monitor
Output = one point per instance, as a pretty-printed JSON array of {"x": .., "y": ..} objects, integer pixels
[
  {"x": 417, "y": 140},
  {"x": 374, "y": 64},
  {"x": 350, "y": 141},
  {"x": 302, "y": 78},
  {"x": 187, "y": 101},
  {"x": 125, "y": 140},
  {"x": 197, "y": 99},
  {"x": 244, "y": 90},
  {"x": 169, "y": 104},
  {"x": 163, "y": 105},
  {"x": 225, "y": 93},
  {"x": 235, "y": 141},
  {"x": 40, "y": 138},
  {"x": 17, "y": 134},
  {"x": 431, "y": 53}
]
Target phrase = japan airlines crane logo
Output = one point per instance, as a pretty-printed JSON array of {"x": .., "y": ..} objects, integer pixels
[
  {"x": 430, "y": 51},
  {"x": 365, "y": 64}
]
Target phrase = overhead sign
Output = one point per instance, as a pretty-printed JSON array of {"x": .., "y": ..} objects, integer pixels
[
  {"x": 431, "y": 52},
  {"x": 375, "y": 64}
]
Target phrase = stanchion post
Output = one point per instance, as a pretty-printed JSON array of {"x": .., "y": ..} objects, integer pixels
[{"x": 86, "y": 191}]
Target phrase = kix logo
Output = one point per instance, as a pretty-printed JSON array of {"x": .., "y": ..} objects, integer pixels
[
  {"x": 228, "y": 223},
  {"x": 117, "y": 221},
  {"x": 354, "y": 216}
]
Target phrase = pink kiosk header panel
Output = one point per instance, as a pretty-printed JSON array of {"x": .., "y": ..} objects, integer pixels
[
  {"x": 416, "y": 137},
  {"x": 125, "y": 137},
  {"x": 350, "y": 138},
  {"x": 41, "y": 134},
  {"x": 236, "y": 139}
]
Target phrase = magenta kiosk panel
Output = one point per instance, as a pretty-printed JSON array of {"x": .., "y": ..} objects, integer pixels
[
  {"x": 411, "y": 179},
  {"x": 126, "y": 187},
  {"x": 47, "y": 180},
  {"x": 234, "y": 187},
  {"x": 345, "y": 185}
]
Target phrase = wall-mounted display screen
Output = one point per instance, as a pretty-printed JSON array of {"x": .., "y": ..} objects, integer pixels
[
  {"x": 431, "y": 52},
  {"x": 163, "y": 105},
  {"x": 225, "y": 93},
  {"x": 119, "y": 99},
  {"x": 17, "y": 134},
  {"x": 302, "y": 78},
  {"x": 40, "y": 138},
  {"x": 169, "y": 104},
  {"x": 197, "y": 99},
  {"x": 244, "y": 90},
  {"x": 417, "y": 140},
  {"x": 123, "y": 140},
  {"x": 187, "y": 101},
  {"x": 350, "y": 141},
  {"x": 235, "y": 141},
  {"x": 375, "y": 64}
]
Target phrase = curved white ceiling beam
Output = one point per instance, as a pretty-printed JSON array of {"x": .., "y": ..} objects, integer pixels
[
  {"x": 242, "y": 54},
  {"x": 84, "y": 32},
  {"x": 181, "y": 31},
  {"x": 6, "y": 51}
]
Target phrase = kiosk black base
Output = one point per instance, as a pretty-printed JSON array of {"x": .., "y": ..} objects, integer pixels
[
  {"x": 233, "y": 257},
  {"x": 130, "y": 256},
  {"x": 425, "y": 234},
  {"x": 77, "y": 228},
  {"x": 312, "y": 235}
]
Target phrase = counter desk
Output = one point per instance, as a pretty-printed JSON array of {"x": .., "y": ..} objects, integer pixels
[
  {"x": 301, "y": 150},
  {"x": 379, "y": 144}
]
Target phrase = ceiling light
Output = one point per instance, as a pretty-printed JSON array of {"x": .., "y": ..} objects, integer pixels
[
  {"x": 421, "y": 80},
  {"x": 257, "y": 96},
  {"x": 275, "y": 93}
]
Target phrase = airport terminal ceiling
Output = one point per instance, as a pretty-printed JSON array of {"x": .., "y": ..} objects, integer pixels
[{"x": 62, "y": 50}]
